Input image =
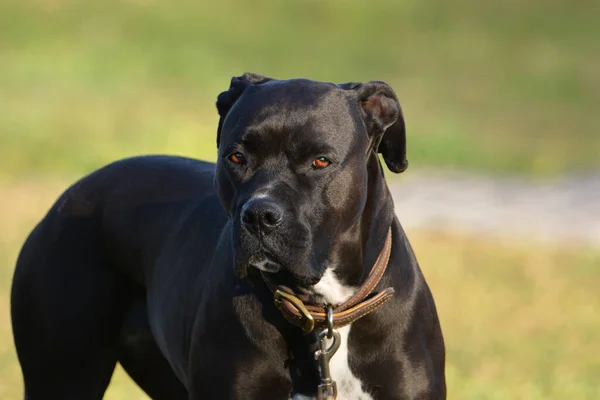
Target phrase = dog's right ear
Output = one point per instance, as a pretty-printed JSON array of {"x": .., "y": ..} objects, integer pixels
[
  {"x": 227, "y": 99},
  {"x": 383, "y": 119}
]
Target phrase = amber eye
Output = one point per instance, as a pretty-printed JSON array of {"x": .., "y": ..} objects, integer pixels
[
  {"x": 320, "y": 163},
  {"x": 237, "y": 158}
]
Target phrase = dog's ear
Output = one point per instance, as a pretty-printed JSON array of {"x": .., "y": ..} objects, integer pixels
[
  {"x": 227, "y": 99},
  {"x": 383, "y": 118}
]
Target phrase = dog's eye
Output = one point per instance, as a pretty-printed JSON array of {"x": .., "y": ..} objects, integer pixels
[
  {"x": 320, "y": 163},
  {"x": 237, "y": 158}
]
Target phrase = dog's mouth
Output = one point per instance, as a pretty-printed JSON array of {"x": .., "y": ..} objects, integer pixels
[{"x": 264, "y": 262}]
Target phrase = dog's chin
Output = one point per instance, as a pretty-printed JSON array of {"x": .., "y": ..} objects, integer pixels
[
  {"x": 300, "y": 286},
  {"x": 305, "y": 293}
]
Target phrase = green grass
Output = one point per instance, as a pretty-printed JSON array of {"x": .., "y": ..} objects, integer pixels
[
  {"x": 510, "y": 86},
  {"x": 519, "y": 319}
]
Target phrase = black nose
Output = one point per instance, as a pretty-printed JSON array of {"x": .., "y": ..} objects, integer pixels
[{"x": 262, "y": 214}]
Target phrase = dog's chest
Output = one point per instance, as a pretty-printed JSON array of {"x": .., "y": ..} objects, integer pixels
[{"x": 348, "y": 385}]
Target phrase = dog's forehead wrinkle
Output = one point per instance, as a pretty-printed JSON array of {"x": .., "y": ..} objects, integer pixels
[{"x": 296, "y": 142}]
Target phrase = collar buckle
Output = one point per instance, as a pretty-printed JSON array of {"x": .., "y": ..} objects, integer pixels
[{"x": 309, "y": 321}]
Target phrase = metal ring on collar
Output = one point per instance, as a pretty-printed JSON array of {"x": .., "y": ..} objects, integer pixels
[{"x": 329, "y": 322}]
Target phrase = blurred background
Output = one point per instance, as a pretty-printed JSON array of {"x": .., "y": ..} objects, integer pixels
[{"x": 501, "y": 102}]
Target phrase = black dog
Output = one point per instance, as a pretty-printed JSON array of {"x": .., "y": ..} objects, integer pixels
[{"x": 168, "y": 265}]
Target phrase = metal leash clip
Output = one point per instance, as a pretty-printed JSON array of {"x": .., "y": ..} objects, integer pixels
[{"x": 327, "y": 389}]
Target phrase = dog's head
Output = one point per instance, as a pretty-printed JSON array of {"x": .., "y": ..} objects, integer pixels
[{"x": 292, "y": 166}]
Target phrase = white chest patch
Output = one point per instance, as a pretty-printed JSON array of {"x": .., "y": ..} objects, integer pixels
[
  {"x": 331, "y": 289},
  {"x": 349, "y": 387}
]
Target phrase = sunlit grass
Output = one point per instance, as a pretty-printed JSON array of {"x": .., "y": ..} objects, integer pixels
[{"x": 520, "y": 319}]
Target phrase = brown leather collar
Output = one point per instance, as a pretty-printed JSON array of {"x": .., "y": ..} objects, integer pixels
[{"x": 309, "y": 317}]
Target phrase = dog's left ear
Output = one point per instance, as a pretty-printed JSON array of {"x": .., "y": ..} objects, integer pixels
[
  {"x": 384, "y": 121},
  {"x": 227, "y": 99}
]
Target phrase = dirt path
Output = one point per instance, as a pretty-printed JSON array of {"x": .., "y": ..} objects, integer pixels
[{"x": 564, "y": 209}]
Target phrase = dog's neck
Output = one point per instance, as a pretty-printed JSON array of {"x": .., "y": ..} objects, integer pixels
[{"x": 358, "y": 248}]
